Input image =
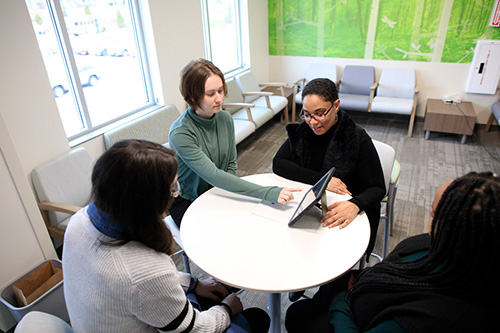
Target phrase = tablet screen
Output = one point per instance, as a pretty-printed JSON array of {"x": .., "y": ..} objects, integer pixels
[{"x": 312, "y": 196}]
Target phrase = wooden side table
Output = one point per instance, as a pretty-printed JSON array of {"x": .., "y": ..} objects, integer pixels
[{"x": 447, "y": 118}]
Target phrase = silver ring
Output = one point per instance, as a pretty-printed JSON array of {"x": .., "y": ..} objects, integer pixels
[
  {"x": 339, "y": 188},
  {"x": 342, "y": 219}
]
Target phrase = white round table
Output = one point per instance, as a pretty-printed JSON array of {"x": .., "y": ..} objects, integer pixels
[{"x": 226, "y": 239}]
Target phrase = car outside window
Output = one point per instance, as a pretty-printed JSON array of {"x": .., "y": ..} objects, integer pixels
[{"x": 95, "y": 60}]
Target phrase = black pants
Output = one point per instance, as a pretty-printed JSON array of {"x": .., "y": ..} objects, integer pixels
[
  {"x": 178, "y": 208},
  {"x": 311, "y": 315}
]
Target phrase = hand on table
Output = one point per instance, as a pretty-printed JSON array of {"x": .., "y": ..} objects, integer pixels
[
  {"x": 286, "y": 194},
  {"x": 337, "y": 186},
  {"x": 209, "y": 288},
  {"x": 341, "y": 214},
  {"x": 234, "y": 303}
]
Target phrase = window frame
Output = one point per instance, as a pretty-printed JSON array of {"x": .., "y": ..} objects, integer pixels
[
  {"x": 242, "y": 37},
  {"x": 90, "y": 131}
]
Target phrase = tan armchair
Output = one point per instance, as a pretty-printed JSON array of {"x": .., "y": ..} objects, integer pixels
[
  {"x": 63, "y": 186},
  {"x": 251, "y": 91}
]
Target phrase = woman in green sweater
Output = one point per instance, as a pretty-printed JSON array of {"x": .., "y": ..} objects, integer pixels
[{"x": 203, "y": 138}]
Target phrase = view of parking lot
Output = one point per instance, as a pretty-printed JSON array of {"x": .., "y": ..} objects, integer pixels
[{"x": 103, "y": 43}]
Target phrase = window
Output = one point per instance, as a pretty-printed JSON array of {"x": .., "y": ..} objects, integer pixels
[
  {"x": 94, "y": 55},
  {"x": 226, "y": 34}
]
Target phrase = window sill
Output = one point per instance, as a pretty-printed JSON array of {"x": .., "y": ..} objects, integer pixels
[{"x": 92, "y": 134}]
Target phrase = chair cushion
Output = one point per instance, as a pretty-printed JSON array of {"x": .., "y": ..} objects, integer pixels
[
  {"x": 260, "y": 115},
  {"x": 354, "y": 102},
  {"x": 153, "y": 126},
  {"x": 397, "y": 82},
  {"x": 392, "y": 105},
  {"x": 298, "y": 97},
  {"x": 65, "y": 179},
  {"x": 242, "y": 129},
  {"x": 41, "y": 322},
  {"x": 495, "y": 109},
  {"x": 357, "y": 80},
  {"x": 278, "y": 103}
]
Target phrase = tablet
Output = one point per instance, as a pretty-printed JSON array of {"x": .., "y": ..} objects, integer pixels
[{"x": 311, "y": 197}]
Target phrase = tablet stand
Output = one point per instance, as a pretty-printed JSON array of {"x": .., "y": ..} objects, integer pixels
[{"x": 324, "y": 205}]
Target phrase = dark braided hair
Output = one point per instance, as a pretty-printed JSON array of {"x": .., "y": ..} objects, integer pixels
[{"x": 465, "y": 243}]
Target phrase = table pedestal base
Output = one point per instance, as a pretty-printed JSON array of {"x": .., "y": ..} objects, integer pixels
[{"x": 274, "y": 301}]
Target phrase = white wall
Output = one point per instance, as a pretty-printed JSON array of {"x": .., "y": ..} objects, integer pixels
[{"x": 434, "y": 80}]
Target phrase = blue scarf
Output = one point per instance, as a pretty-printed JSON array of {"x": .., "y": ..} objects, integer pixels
[{"x": 106, "y": 224}]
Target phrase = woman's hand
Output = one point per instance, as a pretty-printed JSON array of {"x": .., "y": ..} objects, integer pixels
[
  {"x": 286, "y": 194},
  {"x": 209, "y": 288},
  {"x": 337, "y": 186},
  {"x": 341, "y": 214},
  {"x": 234, "y": 303}
]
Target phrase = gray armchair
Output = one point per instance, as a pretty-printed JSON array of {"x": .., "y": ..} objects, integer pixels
[
  {"x": 397, "y": 93},
  {"x": 314, "y": 71},
  {"x": 63, "y": 187},
  {"x": 495, "y": 114},
  {"x": 356, "y": 87}
]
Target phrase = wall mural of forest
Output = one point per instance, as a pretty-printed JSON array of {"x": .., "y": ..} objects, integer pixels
[{"x": 417, "y": 30}]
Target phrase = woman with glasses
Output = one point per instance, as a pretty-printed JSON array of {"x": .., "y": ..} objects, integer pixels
[
  {"x": 328, "y": 138},
  {"x": 118, "y": 274},
  {"x": 203, "y": 138}
]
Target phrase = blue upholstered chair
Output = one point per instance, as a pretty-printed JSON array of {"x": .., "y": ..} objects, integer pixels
[
  {"x": 495, "y": 114},
  {"x": 397, "y": 93},
  {"x": 355, "y": 87},
  {"x": 314, "y": 71}
]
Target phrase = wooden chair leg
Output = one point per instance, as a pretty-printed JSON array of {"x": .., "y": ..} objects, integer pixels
[{"x": 412, "y": 121}]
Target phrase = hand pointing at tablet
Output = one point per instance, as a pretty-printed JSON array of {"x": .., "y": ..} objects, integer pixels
[{"x": 286, "y": 194}]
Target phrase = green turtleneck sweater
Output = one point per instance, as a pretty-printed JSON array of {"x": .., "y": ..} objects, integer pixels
[{"x": 206, "y": 152}]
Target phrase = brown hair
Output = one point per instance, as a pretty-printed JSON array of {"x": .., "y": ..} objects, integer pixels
[{"x": 193, "y": 78}]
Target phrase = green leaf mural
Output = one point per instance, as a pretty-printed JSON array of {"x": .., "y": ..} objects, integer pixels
[{"x": 418, "y": 30}]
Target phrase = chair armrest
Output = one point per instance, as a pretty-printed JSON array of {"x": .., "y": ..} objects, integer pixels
[
  {"x": 303, "y": 80},
  {"x": 274, "y": 84},
  {"x": 373, "y": 87},
  {"x": 235, "y": 105},
  {"x": 257, "y": 93},
  {"x": 58, "y": 207},
  {"x": 417, "y": 89}
]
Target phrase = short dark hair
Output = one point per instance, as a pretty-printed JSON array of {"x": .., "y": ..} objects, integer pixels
[
  {"x": 132, "y": 182},
  {"x": 193, "y": 78},
  {"x": 464, "y": 239},
  {"x": 325, "y": 88}
]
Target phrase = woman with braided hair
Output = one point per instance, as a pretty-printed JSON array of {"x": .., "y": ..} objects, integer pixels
[{"x": 444, "y": 281}]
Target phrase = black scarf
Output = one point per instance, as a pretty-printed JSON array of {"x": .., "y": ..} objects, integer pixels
[{"x": 342, "y": 151}]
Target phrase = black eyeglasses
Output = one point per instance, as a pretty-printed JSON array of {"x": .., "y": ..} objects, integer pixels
[
  {"x": 176, "y": 190},
  {"x": 318, "y": 117}
]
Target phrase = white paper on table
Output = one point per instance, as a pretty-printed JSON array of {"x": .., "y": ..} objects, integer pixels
[{"x": 279, "y": 212}]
